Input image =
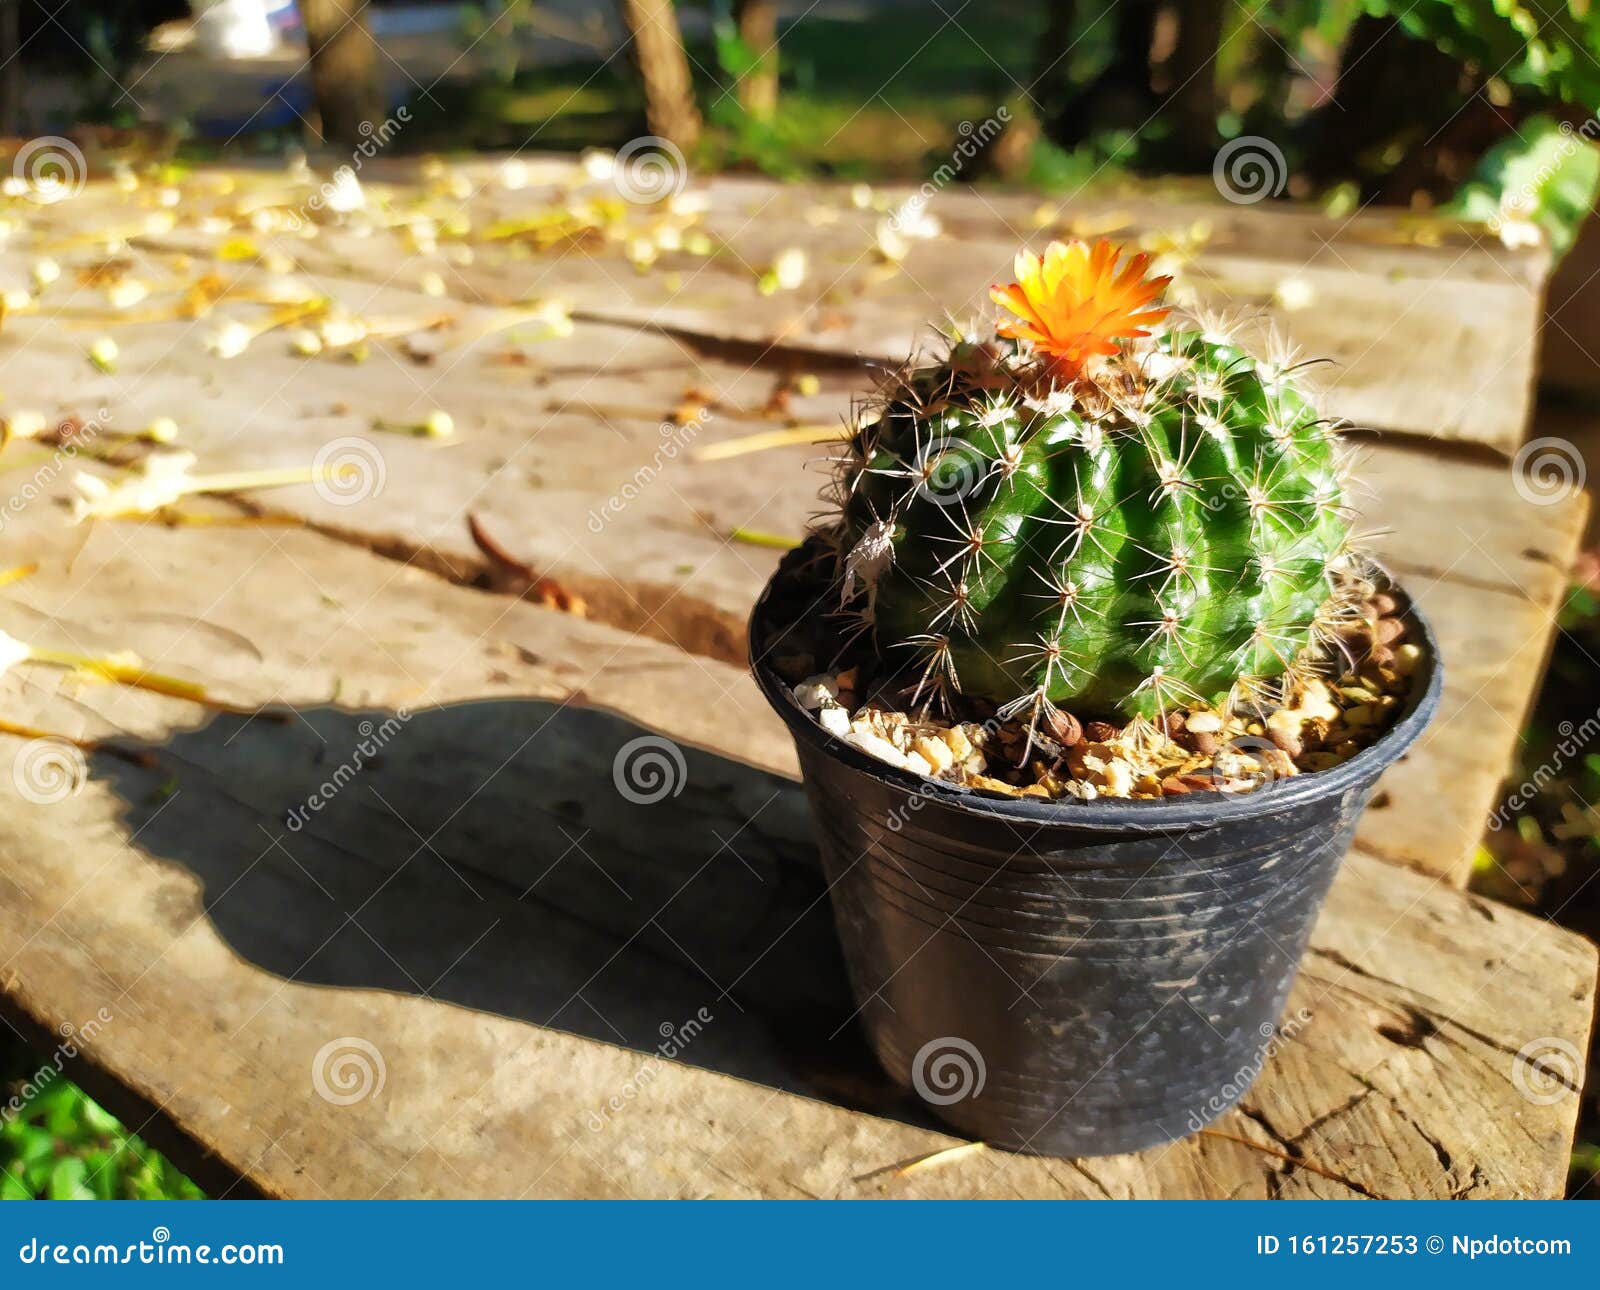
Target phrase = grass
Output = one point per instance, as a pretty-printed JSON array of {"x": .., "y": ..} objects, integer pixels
[
  {"x": 59, "y": 1144},
  {"x": 854, "y": 104}
]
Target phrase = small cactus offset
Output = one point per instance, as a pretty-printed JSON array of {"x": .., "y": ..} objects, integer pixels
[{"x": 1102, "y": 508}]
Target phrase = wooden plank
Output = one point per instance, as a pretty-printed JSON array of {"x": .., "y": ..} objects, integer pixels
[
  {"x": 1402, "y": 306},
  {"x": 510, "y": 936},
  {"x": 575, "y": 464},
  {"x": 571, "y": 457}
]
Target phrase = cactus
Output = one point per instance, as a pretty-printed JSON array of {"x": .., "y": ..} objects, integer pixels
[{"x": 1103, "y": 508}]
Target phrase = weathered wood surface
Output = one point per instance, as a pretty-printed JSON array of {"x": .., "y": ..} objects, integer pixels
[
  {"x": 569, "y": 452},
  {"x": 478, "y": 903},
  {"x": 511, "y": 937},
  {"x": 1402, "y": 307},
  {"x": 1431, "y": 328},
  {"x": 1487, "y": 564}
]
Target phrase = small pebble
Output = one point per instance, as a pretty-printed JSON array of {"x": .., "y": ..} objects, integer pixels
[
  {"x": 960, "y": 745},
  {"x": 817, "y": 692},
  {"x": 1277, "y": 761},
  {"x": 1065, "y": 727},
  {"x": 876, "y": 745},
  {"x": 1283, "y": 728},
  {"x": 1318, "y": 724},
  {"x": 1390, "y": 631},
  {"x": 835, "y": 720},
  {"x": 936, "y": 752}
]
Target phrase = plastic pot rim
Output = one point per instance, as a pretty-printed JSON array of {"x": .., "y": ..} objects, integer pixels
[{"x": 1121, "y": 815}]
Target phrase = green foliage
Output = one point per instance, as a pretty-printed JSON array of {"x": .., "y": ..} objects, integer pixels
[
  {"x": 777, "y": 147},
  {"x": 1054, "y": 169},
  {"x": 1547, "y": 173},
  {"x": 497, "y": 35},
  {"x": 114, "y": 43},
  {"x": 1549, "y": 46},
  {"x": 1116, "y": 551},
  {"x": 64, "y": 1146},
  {"x": 734, "y": 56}
]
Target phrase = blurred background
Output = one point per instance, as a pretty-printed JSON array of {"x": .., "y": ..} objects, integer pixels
[
  {"x": 1481, "y": 110},
  {"x": 1438, "y": 103}
]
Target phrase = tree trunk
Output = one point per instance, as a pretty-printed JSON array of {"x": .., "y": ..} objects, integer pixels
[
  {"x": 1193, "y": 71},
  {"x": 1391, "y": 90},
  {"x": 344, "y": 69},
  {"x": 669, "y": 106},
  {"x": 1049, "y": 91},
  {"x": 1121, "y": 96},
  {"x": 11, "y": 70},
  {"x": 758, "y": 29}
]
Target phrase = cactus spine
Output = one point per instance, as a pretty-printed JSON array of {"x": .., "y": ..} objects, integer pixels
[{"x": 1090, "y": 514}]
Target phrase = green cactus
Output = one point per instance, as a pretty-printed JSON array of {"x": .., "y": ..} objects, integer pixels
[{"x": 1153, "y": 529}]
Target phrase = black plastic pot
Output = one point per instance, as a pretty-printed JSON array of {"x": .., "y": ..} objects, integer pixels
[{"x": 1072, "y": 978}]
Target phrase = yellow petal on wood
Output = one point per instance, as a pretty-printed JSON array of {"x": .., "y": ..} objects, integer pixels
[
  {"x": 755, "y": 537},
  {"x": 551, "y": 315},
  {"x": 123, "y": 669},
  {"x": 770, "y": 439},
  {"x": 34, "y": 732},
  {"x": 949, "y": 1156},
  {"x": 238, "y": 248}
]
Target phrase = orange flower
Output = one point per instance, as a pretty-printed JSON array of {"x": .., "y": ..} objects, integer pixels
[{"x": 1073, "y": 304}]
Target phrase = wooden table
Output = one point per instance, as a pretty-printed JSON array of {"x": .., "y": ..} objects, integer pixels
[{"x": 449, "y": 971}]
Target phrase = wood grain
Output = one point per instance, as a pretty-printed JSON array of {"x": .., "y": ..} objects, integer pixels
[
  {"x": 578, "y": 454},
  {"x": 510, "y": 935}
]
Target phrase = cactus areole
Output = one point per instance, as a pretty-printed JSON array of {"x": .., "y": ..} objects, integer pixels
[{"x": 1101, "y": 507}]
